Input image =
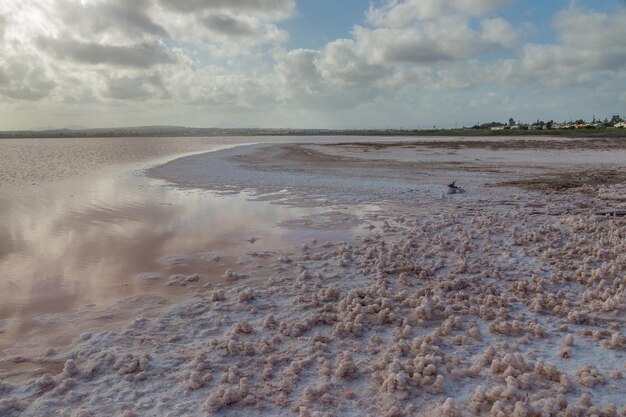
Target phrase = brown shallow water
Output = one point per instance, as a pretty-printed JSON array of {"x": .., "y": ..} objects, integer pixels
[{"x": 82, "y": 231}]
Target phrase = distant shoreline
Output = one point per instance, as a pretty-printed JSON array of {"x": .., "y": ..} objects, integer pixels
[{"x": 166, "y": 131}]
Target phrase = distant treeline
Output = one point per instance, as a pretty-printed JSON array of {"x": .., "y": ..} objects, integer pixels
[{"x": 214, "y": 132}]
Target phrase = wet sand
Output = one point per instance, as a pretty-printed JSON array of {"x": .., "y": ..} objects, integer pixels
[{"x": 501, "y": 300}]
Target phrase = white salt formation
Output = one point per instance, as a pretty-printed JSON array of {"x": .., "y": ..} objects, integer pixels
[{"x": 427, "y": 320}]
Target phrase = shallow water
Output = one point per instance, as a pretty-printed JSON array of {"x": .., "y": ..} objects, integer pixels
[
  {"x": 81, "y": 228},
  {"x": 35, "y": 162},
  {"x": 93, "y": 229}
]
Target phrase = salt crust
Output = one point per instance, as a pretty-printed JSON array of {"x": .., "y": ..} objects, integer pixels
[{"x": 455, "y": 333}]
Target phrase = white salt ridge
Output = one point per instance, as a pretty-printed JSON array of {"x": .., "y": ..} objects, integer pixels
[{"x": 214, "y": 170}]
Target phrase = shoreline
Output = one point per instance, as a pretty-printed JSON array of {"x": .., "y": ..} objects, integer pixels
[
  {"x": 397, "y": 171},
  {"x": 498, "y": 300},
  {"x": 173, "y": 131}
]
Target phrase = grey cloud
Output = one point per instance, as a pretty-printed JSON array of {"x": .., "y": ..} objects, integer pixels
[
  {"x": 4, "y": 77},
  {"x": 144, "y": 55},
  {"x": 24, "y": 92},
  {"x": 217, "y": 23},
  {"x": 127, "y": 17},
  {"x": 135, "y": 88},
  {"x": 3, "y": 22},
  {"x": 264, "y": 7},
  {"x": 415, "y": 53},
  {"x": 228, "y": 25},
  {"x": 23, "y": 81}
]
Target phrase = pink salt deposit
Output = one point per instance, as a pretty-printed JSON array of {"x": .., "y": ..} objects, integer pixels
[{"x": 465, "y": 305}]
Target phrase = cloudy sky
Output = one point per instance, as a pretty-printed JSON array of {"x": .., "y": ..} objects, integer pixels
[{"x": 308, "y": 63}]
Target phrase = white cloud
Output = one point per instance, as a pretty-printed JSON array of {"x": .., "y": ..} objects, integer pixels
[
  {"x": 24, "y": 80},
  {"x": 224, "y": 91},
  {"x": 409, "y": 57},
  {"x": 70, "y": 50},
  {"x": 447, "y": 40},
  {"x": 392, "y": 60},
  {"x": 497, "y": 32},
  {"x": 405, "y": 13},
  {"x": 325, "y": 80},
  {"x": 340, "y": 62},
  {"x": 297, "y": 74},
  {"x": 590, "y": 49}
]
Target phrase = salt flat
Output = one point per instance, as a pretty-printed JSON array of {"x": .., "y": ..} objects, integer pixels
[{"x": 507, "y": 299}]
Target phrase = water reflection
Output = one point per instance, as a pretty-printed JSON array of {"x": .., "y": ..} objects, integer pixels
[{"x": 83, "y": 242}]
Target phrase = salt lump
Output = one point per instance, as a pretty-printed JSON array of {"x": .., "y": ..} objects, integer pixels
[{"x": 346, "y": 367}]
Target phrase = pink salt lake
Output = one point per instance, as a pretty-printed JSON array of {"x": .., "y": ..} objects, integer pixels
[{"x": 82, "y": 228}]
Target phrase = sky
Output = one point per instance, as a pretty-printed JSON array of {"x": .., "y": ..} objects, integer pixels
[{"x": 409, "y": 64}]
